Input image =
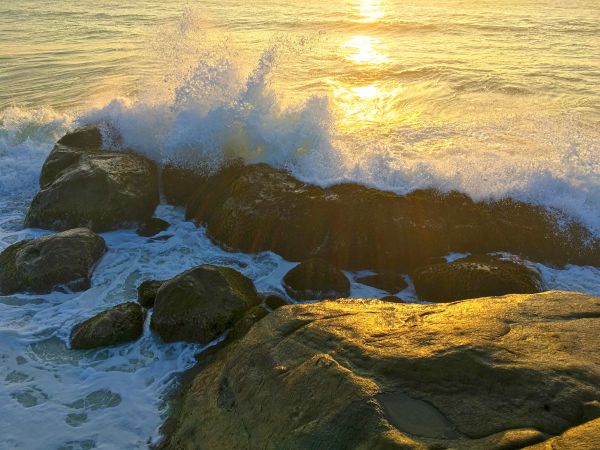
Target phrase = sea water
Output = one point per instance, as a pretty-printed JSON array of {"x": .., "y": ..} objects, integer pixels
[{"x": 494, "y": 99}]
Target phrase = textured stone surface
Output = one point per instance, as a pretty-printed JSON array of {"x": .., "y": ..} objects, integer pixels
[
  {"x": 491, "y": 373},
  {"x": 86, "y": 186},
  {"x": 201, "y": 303},
  {"x": 256, "y": 208},
  {"x": 316, "y": 279},
  {"x": 474, "y": 276},
  {"x": 57, "y": 261},
  {"x": 116, "y": 325}
]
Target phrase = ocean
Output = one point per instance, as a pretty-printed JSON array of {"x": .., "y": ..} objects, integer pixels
[{"x": 493, "y": 99}]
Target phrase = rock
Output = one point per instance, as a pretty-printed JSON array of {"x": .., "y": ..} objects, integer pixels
[
  {"x": 316, "y": 279},
  {"x": 243, "y": 325},
  {"x": 147, "y": 292},
  {"x": 258, "y": 208},
  {"x": 389, "y": 282},
  {"x": 582, "y": 437},
  {"x": 87, "y": 186},
  {"x": 491, "y": 373},
  {"x": 200, "y": 304},
  {"x": 274, "y": 301},
  {"x": 179, "y": 183},
  {"x": 152, "y": 227},
  {"x": 122, "y": 323},
  {"x": 472, "y": 277},
  {"x": 392, "y": 299},
  {"x": 57, "y": 261}
]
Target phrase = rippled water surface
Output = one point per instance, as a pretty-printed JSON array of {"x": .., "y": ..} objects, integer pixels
[{"x": 495, "y": 99}]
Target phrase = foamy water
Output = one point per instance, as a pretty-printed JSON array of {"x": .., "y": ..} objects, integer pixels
[{"x": 492, "y": 100}]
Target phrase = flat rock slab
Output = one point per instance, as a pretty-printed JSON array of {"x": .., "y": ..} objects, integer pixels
[
  {"x": 57, "y": 261},
  {"x": 490, "y": 373}
]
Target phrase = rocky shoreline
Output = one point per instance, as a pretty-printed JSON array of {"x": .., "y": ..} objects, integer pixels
[{"x": 508, "y": 367}]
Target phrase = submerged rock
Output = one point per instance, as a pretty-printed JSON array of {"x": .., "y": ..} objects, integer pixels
[
  {"x": 256, "y": 208},
  {"x": 200, "y": 304},
  {"x": 316, "y": 279},
  {"x": 147, "y": 292},
  {"x": 57, "y": 261},
  {"x": 474, "y": 276},
  {"x": 122, "y": 323},
  {"x": 82, "y": 185},
  {"x": 389, "y": 282},
  {"x": 152, "y": 227},
  {"x": 492, "y": 373}
]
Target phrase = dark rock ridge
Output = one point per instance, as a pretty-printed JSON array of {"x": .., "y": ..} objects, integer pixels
[
  {"x": 491, "y": 373},
  {"x": 58, "y": 261},
  {"x": 83, "y": 185},
  {"x": 178, "y": 184},
  {"x": 147, "y": 292},
  {"x": 202, "y": 303},
  {"x": 316, "y": 279},
  {"x": 473, "y": 277},
  {"x": 256, "y": 208},
  {"x": 122, "y": 323}
]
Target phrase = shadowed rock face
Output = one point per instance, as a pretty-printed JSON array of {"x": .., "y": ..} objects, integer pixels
[
  {"x": 491, "y": 373},
  {"x": 474, "y": 276},
  {"x": 116, "y": 325},
  {"x": 256, "y": 208},
  {"x": 63, "y": 260},
  {"x": 82, "y": 185},
  {"x": 316, "y": 279},
  {"x": 201, "y": 303}
]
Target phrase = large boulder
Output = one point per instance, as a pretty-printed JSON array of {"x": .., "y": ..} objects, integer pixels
[
  {"x": 475, "y": 276},
  {"x": 494, "y": 373},
  {"x": 316, "y": 279},
  {"x": 256, "y": 208},
  {"x": 83, "y": 185},
  {"x": 119, "y": 324},
  {"x": 179, "y": 183},
  {"x": 58, "y": 261},
  {"x": 202, "y": 303},
  {"x": 390, "y": 282}
]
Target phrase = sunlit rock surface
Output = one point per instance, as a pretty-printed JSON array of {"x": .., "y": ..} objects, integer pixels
[{"x": 491, "y": 373}]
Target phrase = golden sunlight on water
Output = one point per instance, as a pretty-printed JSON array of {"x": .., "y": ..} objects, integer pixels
[{"x": 367, "y": 99}]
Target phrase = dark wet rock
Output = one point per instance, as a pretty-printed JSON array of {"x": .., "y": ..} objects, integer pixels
[
  {"x": 122, "y": 323},
  {"x": 83, "y": 137},
  {"x": 87, "y": 186},
  {"x": 392, "y": 299},
  {"x": 389, "y": 282},
  {"x": 274, "y": 301},
  {"x": 152, "y": 227},
  {"x": 147, "y": 292},
  {"x": 57, "y": 261},
  {"x": 178, "y": 183},
  {"x": 243, "y": 325},
  {"x": 257, "y": 208},
  {"x": 473, "y": 277},
  {"x": 316, "y": 279},
  {"x": 492, "y": 373},
  {"x": 200, "y": 304}
]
